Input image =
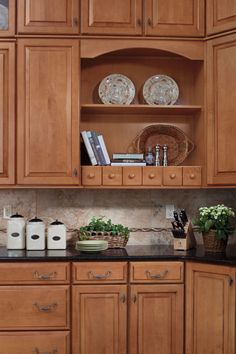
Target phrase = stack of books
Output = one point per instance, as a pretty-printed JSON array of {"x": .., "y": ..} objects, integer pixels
[
  {"x": 128, "y": 160},
  {"x": 96, "y": 148}
]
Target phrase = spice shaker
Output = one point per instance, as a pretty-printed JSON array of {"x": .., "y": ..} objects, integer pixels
[
  {"x": 56, "y": 236},
  {"x": 16, "y": 232},
  {"x": 35, "y": 234}
]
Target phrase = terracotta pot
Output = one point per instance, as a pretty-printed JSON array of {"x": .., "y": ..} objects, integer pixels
[{"x": 212, "y": 243}]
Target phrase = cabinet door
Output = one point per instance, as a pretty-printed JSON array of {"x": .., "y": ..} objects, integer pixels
[
  {"x": 48, "y": 16},
  {"x": 221, "y": 110},
  {"x": 7, "y": 18},
  {"x": 48, "y": 131},
  {"x": 175, "y": 18},
  {"x": 210, "y": 309},
  {"x": 221, "y": 15},
  {"x": 99, "y": 319},
  {"x": 7, "y": 112},
  {"x": 116, "y": 17},
  {"x": 156, "y": 323}
]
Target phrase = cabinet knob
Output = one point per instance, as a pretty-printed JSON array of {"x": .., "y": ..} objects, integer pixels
[
  {"x": 230, "y": 280},
  {"x": 75, "y": 172},
  {"x": 192, "y": 176},
  {"x": 111, "y": 176},
  {"x": 151, "y": 176},
  {"x": 75, "y": 21},
  {"x": 139, "y": 22},
  {"x": 131, "y": 176},
  {"x": 91, "y": 175},
  {"x": 123, "y": 298},
  {"x": 172, "y": 176},
  {"x": 149, "y": 22}
]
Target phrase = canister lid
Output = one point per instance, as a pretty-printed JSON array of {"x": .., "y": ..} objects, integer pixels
[
  {"x": 16, "y": 215},
  {"x": 35, "y": 219},
  {"x": 57, "y": 223}
]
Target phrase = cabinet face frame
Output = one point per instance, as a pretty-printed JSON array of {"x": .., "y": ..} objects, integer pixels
[
  {"x": 26, "y": 24},
  {"x": 216, "y": 21},
  {"x": 71, "y": 173}
]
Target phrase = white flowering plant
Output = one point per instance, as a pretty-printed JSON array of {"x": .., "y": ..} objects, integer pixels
[{"x": 217, "y": 218}]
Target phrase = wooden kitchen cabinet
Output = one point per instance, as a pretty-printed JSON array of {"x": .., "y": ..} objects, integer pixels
[
  {"x": 99, "y": 319},
  {"x": 221, "y": 110},
  {"x": 220, "y": 16},
  {"x": 7, "y": 113},
  {"x": 210, "y": 309},
  {"x": 156, "y": 319},
  {"x": 48, "y": 113},
  {"x": 7, "y": 18},
  {"x": 143, "y": 17},
  {"x": 43, "y": 16}
]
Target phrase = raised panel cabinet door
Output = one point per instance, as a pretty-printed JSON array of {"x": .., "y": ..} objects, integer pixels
[
  {"x": 175, "y": 18},
  {"x": 156, "y": 319},
  {"x": 99, "y": 319},
  {"x": 210, "y": 309},
  {"x": 111, "y": 17},
  {"x": 7, "y": 113},
  {"x": 221, "y": 111},
  {"x": 48, "y": 114},
  {"x": 7, "y": 18},
  {"x": 48, "y": 16},
  {"x": 221, "y": 15}
]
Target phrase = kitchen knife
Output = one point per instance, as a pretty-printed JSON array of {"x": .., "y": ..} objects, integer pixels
[
  {"x": 184, "y": 215},
  {"x": 176, "y": 217}
]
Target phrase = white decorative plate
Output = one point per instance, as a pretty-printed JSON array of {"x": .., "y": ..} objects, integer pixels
[
  {"x": 116, "y": 89},
  {"x": 160, "y": 90}
]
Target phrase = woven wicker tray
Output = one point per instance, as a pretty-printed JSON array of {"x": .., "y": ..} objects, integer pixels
[{"x": 179, "y": 145}]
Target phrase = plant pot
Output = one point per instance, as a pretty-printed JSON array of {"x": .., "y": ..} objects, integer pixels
[{"x": 212, "y": 243}]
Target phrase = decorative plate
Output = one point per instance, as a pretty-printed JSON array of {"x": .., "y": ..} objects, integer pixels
[
  {"x": 116, "y": 89},
  {"x": 179, "y": 145},
  {"x": 160, "y": 90}
]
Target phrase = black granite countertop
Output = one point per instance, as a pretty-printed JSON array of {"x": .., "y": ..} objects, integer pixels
[{"x": 130, "y": 253}]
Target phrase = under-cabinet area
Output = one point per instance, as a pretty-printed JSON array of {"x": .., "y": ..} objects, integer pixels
[{"x": 89, "y": 307}]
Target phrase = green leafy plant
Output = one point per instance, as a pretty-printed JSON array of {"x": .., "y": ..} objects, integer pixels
[
  {"x": 101, "y": 224},
  {"x": 217, "y": 218}
]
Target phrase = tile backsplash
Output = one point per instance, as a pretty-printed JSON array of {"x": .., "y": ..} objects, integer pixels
[{"x": 133, "y": 208}]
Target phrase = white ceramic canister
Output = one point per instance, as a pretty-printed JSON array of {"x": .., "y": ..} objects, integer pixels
[
  {"x": 16, "y": 232},
  {"x": 35, "y": 234},
  {"x": 56, "y": 239}
]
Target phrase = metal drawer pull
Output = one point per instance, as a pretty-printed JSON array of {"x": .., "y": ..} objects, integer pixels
[
  {"x": 107, "y": 275},
  {"x": 37, "y": 351},
  {"x": 123, "y": 298},
  {"x": 47, "y": 308},
  {"x": 134, "y": 299},
  {"x": 156, "y": 276},
  {"x": 48, "y": 276},
  {"x": 230, "y": 280}
]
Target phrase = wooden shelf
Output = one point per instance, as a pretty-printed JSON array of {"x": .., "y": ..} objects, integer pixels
[{"x": 140, "y": 109}]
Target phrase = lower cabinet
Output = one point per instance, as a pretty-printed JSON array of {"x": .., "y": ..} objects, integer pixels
[{"x": 210, "y": 309}]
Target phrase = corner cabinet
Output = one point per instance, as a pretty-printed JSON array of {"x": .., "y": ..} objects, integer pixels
[
  {"x": 48, "y": 113},
  {"x": 139, "y": 17},
  {"x": 221, "y": 110}
]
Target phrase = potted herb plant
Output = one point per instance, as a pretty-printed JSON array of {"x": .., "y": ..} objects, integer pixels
[
  {"x": 214, "y": 223},
  {"x": 101, "y": 228}
]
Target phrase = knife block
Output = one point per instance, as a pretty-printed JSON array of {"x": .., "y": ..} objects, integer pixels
[{"x": 187, "y": 240}]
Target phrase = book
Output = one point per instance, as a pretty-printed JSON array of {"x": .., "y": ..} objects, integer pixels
[
  {"x": 98, "y": 148},
  {"x": 89, "y": 149},
  {"x": 127, "y": 160},
  {"x": 127, "y": 156},
  {"x": 104, "y": 149},
  {"x": 128, "y": 164},
  {"x": 95, "y": 151}
]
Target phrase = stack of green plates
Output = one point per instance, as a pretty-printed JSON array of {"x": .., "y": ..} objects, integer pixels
[{"x": 91, "y": 246}]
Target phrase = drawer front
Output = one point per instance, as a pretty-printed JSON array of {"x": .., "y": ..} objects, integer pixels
[
  {"x": 172, "y": 176},
  {"x": 156, "y": 272},
  {"x": 112, "y": 176},
  {"x": 152, "y": 176},
  {"x": 132, "y": 176},
  {"x": 192, "y": 176},
  {"x": 35, "y": 343},
  {"x": 34, "y": 307},
  {"x": 102, "y": 272},
  {"x": 34, "y": 273},
  {"x": 91, "y": 176}
]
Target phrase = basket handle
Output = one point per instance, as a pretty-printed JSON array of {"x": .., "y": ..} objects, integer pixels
[{"x": 190, "y": 146}]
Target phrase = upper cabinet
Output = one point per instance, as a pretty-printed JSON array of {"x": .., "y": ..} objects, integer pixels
[
  {"x": 221, "y": 110},
  {"x": 7, "y": 114},
  {"x": 43, "y": 16},
  {"x": 48, "y": 118},
  {"x": 7, "y": 18},
  {"x": 137, "y": 17},
  {"x": 221, "y": 16}
]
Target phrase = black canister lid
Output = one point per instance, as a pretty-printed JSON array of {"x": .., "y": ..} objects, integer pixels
[
  {"x": 36, "y": 219},
  {"x": 16, "y": 215},
  {"x": 57, "y": 223}
]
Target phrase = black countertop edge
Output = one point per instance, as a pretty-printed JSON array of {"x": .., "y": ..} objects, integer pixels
[{"x": 130, "y": 253}]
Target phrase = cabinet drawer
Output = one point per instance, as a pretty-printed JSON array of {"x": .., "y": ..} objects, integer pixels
[
  {"x": 152, "y": 176},
  {"x": 91, "y": 176},
  {"x": 34, "y": 307},
  {"x": 172, "y": 176},
  {"x": 102, "y": 272},
  {"x": 112, "y": 176},
  {"x": 34, "y": 273},
  {"x": 35, "y": 342},
  {"x": 156, "y": 272},
  {"x": 192, "y": 176},
  {"x": 132, "y": 176}
]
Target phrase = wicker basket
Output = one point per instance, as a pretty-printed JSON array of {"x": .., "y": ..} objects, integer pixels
[
  {"x": 212, "y": 243},
  {"x": 114, "y": 241}
]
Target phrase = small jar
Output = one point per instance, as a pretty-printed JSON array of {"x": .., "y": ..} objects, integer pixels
[
  {"x": 16, "y": 232},
  {"x": 149, "y": 157},
  {"x": 35, "y": 234},
  {"x": 56, "y": 236}
]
